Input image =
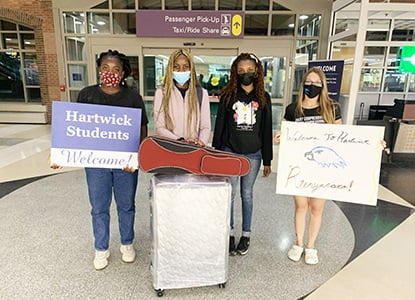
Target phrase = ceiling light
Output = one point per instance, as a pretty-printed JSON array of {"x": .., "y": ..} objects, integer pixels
[
  {"x": 291, "y": 25},
  {"x": 303, "y": 17},
  {"x": 101, "y": 23}
]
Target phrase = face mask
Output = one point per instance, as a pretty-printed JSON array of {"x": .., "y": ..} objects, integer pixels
[
  {"x": 181, "y": 77},
  {"x": 109, "y": 79},
  {"x": 312, "y": 91},
  {"x": 246, "y": 78}
]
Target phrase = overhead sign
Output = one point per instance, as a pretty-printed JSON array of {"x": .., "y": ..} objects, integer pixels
[
  {"x": 195, "y": 24},
  {"x": 330, "y": 161},
  {"x": 90, "y": 135},
  {"x": 333, "y": 69},
  {"x": 407, "y": 59}
]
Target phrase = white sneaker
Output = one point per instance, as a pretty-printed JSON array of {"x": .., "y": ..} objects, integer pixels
[
  {"x": 295, "y": 253},
  {"x": 101, "y": 259},
  {"x": 128, "y": 253},
  {"x": 311, "y": 257}
]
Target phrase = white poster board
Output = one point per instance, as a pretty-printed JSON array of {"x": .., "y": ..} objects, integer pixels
[{"x": 330, "y": 161}]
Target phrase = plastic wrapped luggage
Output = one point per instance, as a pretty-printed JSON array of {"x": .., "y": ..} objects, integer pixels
[{"x": 189, "y": 231}]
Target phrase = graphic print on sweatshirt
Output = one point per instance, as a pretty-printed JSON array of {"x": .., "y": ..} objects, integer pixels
[{"x": 245, "y": 115}]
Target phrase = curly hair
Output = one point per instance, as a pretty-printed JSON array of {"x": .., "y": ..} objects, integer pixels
[
  {"x": 228, "y": 93},
  {"x": 126, "y": 67},
  {"x": 326, "y": 105}
]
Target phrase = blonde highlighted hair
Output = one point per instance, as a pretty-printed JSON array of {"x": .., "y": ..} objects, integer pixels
[
  {"x": 326, "y": 105},
  {"x": 193, "y": 103}
]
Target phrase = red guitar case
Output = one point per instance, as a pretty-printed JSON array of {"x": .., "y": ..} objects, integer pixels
[{"x": 167, "y": 156}]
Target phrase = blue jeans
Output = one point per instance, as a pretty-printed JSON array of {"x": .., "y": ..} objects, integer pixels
[
  {"x": 246, "y": 190},
  {"x": 101, "y": 184}
]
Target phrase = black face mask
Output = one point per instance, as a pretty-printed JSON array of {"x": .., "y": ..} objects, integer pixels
[
  {"x": 246, "y": 78},
  {"x": 312, "y": 91}
]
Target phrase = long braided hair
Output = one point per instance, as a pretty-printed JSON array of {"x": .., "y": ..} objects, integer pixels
[
  {"x": 126, "y": 67},
  {"x": 168, "y": 85},
  {"x": 228, "y": 93}
]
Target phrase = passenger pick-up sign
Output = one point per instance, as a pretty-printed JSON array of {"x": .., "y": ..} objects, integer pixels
[
  {"x": 330, "y": 161},
  {"x": 100, "y": 136}
]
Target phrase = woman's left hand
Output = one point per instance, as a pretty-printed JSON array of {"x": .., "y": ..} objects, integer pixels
[
  {"x": 197, "y": 142},
  {"x": 129, "y": 169},
  {"x": 267, "y": 171},
  {"x": 384, "y": 147}
]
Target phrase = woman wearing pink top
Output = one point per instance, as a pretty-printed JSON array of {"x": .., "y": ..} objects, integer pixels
[{"x": 181, "y": 106}]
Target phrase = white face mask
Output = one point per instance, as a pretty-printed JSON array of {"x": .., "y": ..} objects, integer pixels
[{"x": 181, "y": 77}]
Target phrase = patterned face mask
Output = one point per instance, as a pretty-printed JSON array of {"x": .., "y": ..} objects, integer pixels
[{"x": 109, "y": 79}]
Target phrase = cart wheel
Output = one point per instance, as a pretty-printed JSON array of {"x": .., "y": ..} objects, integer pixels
[
  {"x": 160, "y": 293},
  {"x": 222, "y": 285}
]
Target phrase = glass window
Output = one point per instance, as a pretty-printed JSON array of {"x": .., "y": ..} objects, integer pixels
[
  {"x": 203, "y": 4},
  {"x": 4, "y": 25},
  {"x": 98, "y": 23},
  {"x": 276, "y": 116},
  {"x": 102, "y": 4},
  {"x": 73, "y": 95},
  {"x": 176, "y": 4},
  {"x": 299, "y": 73},
  {"x": 346, "y": 24},
  {"x": 394, "y": 81},
  {"x": 256, "y": 24},
  {"x": 373, "y": 57},
  {"x": 11, "y": 84},
  {"x": 33, "y": 94},
  {"x": 149, "y": 4},
  {"x": 154, "y": 68},
  {"x": 10, "y": 41},
  {"x": 411, "y": 82},
  {"x": 276, "y": 6},
  {"x": 377, "y": 30},
  {"x": 309, "y": 25},
  {"x": 28, "y": 41},
  {"x": 393, "y": 57},
  {"x": 257, "y": 5},
  {"x": 133, "y": 79},
  {"x": 75, "y": 48},
  {"x": 123, "y": 4},
  {"x": 24, "y": 28},
  {"x": 403, "y": 30},
  {"x": 78, "y": 76},
  {"x": 282, "y": 24},
  {"x": 306, "y": 50},
  {"x": 30, "y": 60},
  {"x": 74, "y": 22},
  {"x": 274, "y": 75},
  {"x": 370, "y": 80},
  {"x": 213, "y": 72},
  {"x": 32, "y": 77},
  {"x": 230, "y": 4},
  {"x": 124, "y": 23},
  {"x": 344, "y": 51}
]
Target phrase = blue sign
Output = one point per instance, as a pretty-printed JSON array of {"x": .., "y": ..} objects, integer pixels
[
  {"x": 91, "y": 135},
  {"x": 333, "y": 69}
]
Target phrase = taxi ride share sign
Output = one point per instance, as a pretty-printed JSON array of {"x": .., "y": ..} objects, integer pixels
[{"x": 196, "y": 24}]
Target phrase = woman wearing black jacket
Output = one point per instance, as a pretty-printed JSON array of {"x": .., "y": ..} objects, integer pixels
[{"x": 244, "y": 126}]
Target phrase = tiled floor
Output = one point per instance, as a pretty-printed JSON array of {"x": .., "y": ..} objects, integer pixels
[{"x": 41, "y": 215}]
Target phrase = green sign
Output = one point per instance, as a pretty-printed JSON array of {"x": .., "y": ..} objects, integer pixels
[{"x": 407, "y": 63}]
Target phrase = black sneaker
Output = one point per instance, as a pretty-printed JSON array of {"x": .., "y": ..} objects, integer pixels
[
  {"x": 232, "y": 246},
  {"x": 243, "y": 245}
]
